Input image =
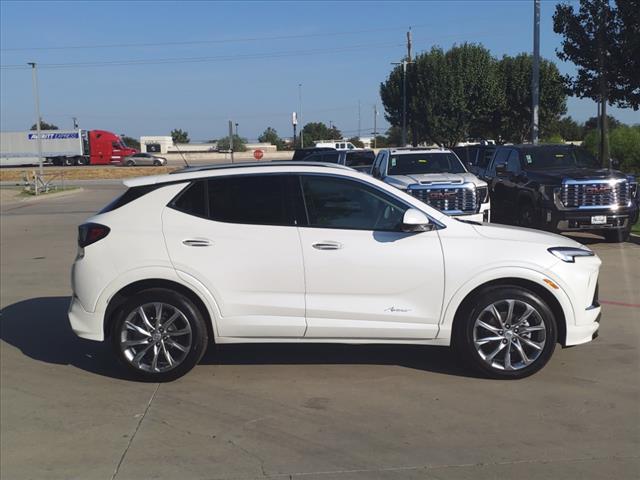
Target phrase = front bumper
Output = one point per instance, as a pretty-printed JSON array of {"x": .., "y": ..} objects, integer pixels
[
  {"x": 576, "y": 220},
  {"x": 586, "y": 329},
  {"x": 85, "y": 324}
]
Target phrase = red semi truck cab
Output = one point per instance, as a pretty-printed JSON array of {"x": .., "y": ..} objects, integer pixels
[{"x": 105, "y": 147}]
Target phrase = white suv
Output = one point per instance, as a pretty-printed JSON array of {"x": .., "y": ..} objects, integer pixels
[
  {"x": 437, "y": 177},
  {"x": 308, "y": 253}
]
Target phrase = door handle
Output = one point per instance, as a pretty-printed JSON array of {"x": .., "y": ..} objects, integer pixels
[
  {"x": 197, "y": 242},
  {"x": 327, "y": 245}
]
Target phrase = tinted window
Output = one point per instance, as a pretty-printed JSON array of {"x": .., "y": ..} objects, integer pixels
[
  {"x": 192, "y": 200},
  {"x": 513, "y": 163},
  {"x": 338, "y": 203},
  {"x": 500, "y": 158},
  {"x": 557, "y": 157},
  {"x": 408, "y": 163},
  {"x": 359, "y": 158},
  {"x": 330, "y": 157},
  {"x": 256, "y": 199},
  {"x": 485, "y": 157},
  {"x": 129, "y": 196}
]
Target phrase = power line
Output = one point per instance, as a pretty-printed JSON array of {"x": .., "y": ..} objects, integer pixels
[
  {"x": 212, "y": 41},
  {"x": 219, "y": 58}
]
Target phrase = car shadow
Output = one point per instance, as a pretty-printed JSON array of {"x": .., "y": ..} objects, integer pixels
[
  {"x": 40, "y": 329},
  {"x": 593, "y": 239}
]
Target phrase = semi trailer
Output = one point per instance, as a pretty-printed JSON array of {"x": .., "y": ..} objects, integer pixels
[{"x": 62, "y": 147}]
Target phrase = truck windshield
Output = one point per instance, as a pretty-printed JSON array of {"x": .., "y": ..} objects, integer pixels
[
  {"x": 412, "y": 163},
  {"x": 557, "y": 157}
]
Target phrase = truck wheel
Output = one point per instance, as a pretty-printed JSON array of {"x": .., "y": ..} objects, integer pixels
[
  {"x": 68, "y": 162},
  {"x": 527, "y": 215},
  {"x": 81, "y": 161},
  {"x": 617, "y": 236},
  {"x": 507, "y": 332}
]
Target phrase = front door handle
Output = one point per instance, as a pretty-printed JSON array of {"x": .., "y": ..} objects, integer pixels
[
  {"x": 197, "y": 242},
  {"x": 327, "y": 245}
]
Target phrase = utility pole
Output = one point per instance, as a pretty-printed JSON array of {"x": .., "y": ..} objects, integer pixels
[
  {"x": 36, "y": 96},
  {"x": 75, "y": 123},
  {"x": 300, "y": 115},
  {"x": 409, "y": 43},
  {"x": 404, "y": 64},
  {"x": 231, "y": 139},
  {"x": 236, "y": 129},
  {"x": 375, "y": 126},
  {"x": 535, "y": 74},
  {"x": 294, "y": 122},
  {"x": 605, "y": 161}
]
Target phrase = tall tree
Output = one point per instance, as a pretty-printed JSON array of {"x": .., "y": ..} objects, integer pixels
[
  {"x": 180, "y": 136},
  {"x": 44, "y": 126},
  {"x": 239, "y": 143},
  {"x": 602, "y": 39},
  {"x": 130, "y": 142},
  {"x": 513, "y": 120},
  {"x": 592, "y": 123},
  {"x": 270, "y": 135},
  {"x": 569, "y": 129}
]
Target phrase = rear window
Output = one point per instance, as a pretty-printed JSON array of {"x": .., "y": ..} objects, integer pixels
[
  {"x": 192, "y": 200},
  {"x": 360, "y": 158},
  {"x": 129, "y": 196}
]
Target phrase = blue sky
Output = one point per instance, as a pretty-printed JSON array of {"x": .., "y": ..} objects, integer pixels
[{"x": 338, "y": 51}]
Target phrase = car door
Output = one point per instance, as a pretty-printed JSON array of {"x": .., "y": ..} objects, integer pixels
[
  {"x": 365, "y": 278},
  {"x": 497, "y": 190},
  {"x": 236, "y": 236},
  {"x": 512, "y": 183}
]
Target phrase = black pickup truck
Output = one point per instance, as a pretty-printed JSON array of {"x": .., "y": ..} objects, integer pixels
[{"x": 560, "y": 188}]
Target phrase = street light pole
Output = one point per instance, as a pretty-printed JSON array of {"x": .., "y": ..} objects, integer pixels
[
  {"x": 36, "y": 96},
  {"x": 300, "y": 115},
  {"x": 236, "y": 129},
  {"x": 375, "y": 126}
]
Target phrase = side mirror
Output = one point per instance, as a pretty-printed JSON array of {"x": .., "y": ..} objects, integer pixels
[
  {"x": 501, "y": 170},
  {"x": 415, "y": 221}
]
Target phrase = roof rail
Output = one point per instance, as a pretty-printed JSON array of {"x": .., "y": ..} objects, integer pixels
[
  {"x": 276, "y": 163},
  {"x": 417, "y": 148}
]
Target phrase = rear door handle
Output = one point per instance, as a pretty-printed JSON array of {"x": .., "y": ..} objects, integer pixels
[
  {"x": 197, "y": 242},
  {"x": 327, "y": 245}
]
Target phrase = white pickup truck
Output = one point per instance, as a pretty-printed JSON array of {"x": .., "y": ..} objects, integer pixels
[{"x": 437, "y": 177}]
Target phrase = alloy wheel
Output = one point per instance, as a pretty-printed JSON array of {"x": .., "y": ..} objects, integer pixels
[
  {"x": 509, "y": 334},
  {"x": 155, "y": 337}
]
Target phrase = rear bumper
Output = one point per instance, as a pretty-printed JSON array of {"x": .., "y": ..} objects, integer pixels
[{"x": 85, "y": 324}]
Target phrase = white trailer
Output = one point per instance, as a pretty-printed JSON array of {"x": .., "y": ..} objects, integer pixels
[{"x": 64, "y": 147}]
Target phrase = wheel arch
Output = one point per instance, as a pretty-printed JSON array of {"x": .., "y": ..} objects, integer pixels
[
  {"x": 455, "y": 313},
  {"x": 120, "y": 297}
]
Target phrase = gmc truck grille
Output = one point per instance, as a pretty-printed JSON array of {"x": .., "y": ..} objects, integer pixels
[
  {"x": 448, "y": 200},
  {"x": 595, "y": 194}
]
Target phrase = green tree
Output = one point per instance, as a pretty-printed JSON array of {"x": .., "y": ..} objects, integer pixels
[
  {"x": 568, "y": 129},
  {"x": 625, "y": 146},
  {"x": 592, "y": 123},
  {"x": 44, "y": 126},
  {"x": 130, "y": 142},
  {"x": 180, "y": 136},
  {"x": 513, "y": 124},
  {"x": 356, "y": 142},
  {"x": 315, "y": 131},
  {"x": 270, "y": 135},
  {"x": 239, "y": 144},
  {"x": 394, "y": 136}
]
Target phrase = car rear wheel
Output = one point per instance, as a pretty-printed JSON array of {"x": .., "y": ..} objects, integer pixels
[
  {"x": 507, "y": 333},
  {"x": 159, "y": 335}
]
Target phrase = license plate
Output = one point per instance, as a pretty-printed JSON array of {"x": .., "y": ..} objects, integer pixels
[{"x": 598, "y": 220}]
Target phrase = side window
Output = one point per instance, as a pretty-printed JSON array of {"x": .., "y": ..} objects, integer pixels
[
  {"x": 314, "y": 157},
  {"x": 485, "y": 157},
  {"x": 192, "y": 200},
  {"x": 499, "y": 159},
  {"x": 339, "y": 203},
  {"x": 513, "y": 162},
  {"x": 251, "y": 199},
  {"x": 330, "y": 157},
  {"x": 382, "y": 171},
  {"x": 376, "y": 164},
  {"x": 115, "y": 145}
]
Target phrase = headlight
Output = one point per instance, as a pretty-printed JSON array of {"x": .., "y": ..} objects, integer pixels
[
  {"x": 569, "y": 254},
  {"x": 483, "y": 194}
]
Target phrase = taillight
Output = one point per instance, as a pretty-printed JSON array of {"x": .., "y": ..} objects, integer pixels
[{"x": 89, "y": 233}]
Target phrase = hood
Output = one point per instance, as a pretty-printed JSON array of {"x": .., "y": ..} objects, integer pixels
[
  {"x": 507, "y": 232},
  {"x": 557, "y": 175},
  {"x": 436, "y": 179}
]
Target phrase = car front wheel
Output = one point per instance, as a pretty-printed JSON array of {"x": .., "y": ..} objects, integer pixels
[
  {"x": 159, "y": 335},
  {"x": 507, "y": 332}
]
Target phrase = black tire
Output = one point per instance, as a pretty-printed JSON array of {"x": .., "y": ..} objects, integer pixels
[
  {"x": 157, "y": 163},
  {"x": 68, "y": 161},
  {"x": 465, "y": 333},
  {"x": 82, "y": 160},
  {"x": 130, "y": 163},
  {"x": 527, "y": 215},
  {"x": 617, "y": 236},
  {"x": 154, "y": 343}
]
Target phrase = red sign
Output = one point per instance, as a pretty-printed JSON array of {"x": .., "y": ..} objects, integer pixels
[{"x": 258, "y": 154}]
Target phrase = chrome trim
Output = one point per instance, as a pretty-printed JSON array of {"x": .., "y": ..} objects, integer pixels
[
  {"x": 469, "y": 196},
  {"x": 619, "y": 195}
]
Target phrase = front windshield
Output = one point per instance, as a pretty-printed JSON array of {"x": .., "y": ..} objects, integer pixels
[
  {"x": 432, "y": 162},
  {"x": 558, "y": 157}
]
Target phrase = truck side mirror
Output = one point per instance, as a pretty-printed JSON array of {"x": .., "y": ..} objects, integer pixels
[{"x": 501, "y": 170}]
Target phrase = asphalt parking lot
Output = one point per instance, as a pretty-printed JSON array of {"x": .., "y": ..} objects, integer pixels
[{"x": 295, "y": 411}]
